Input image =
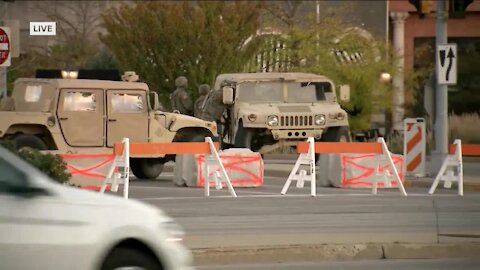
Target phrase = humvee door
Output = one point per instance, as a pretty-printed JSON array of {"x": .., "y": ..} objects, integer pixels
[
  {"x": 80, "y": 114},
  {"x": 127, "y": 116}
]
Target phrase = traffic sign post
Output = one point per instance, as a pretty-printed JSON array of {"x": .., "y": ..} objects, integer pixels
[
  {"x": 447, "y": 64},
  {"x": 4, "y": 58},
  {"x": 5, "y": 47},
  {"x": 443, "y": 69}
]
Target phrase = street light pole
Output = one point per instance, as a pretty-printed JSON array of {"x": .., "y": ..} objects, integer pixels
[
  {"x": 441, "y": 112},
  {"x": 318, "y": 23}
]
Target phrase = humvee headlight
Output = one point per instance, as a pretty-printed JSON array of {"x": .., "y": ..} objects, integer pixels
[
  {"x": 320, "y": 119},
  {"x": 272, "y": 120}
]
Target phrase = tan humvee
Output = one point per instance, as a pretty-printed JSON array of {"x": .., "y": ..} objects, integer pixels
[
  {"x": 265, "y": 111},
  {"x": 90, "y": 116}
]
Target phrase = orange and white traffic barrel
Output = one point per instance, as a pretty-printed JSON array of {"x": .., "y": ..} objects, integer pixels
[{"x": 414, "y": 146}]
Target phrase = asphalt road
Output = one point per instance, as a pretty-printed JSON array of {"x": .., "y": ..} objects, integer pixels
[
  {"x": 442, "y": 264},
  {"x": 222, "y": 230},
  {"x": 261, "y": 216}
]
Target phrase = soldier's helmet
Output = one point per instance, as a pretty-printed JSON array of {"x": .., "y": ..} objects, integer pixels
[
  {"x": 130, "y": 76},
  {"x": 181, "y": 81},
  {"x": 203, "y": 89}
]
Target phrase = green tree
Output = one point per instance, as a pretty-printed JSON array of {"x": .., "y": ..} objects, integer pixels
[{"x": 162, "y": 40}]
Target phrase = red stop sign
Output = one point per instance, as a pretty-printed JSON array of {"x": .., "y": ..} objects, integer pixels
[{"x": 4, "y": 46}]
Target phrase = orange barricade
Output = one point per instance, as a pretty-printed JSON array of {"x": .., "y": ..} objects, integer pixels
[
  {"x": 357, "y": 170},
  {"x": 237, "y": 168},
  {"x": 467, "y": 149},
  {"x": 165, "y": 148},
  {"x": 88, "y": 170},
  {"x": 342, "y": 147},
  {"x": 384, "y": 168},
  {"x": 206, "y": 148}
]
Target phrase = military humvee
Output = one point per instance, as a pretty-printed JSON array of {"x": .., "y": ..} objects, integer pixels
[
  {"x": 265, "y": 111},
  {"x": 90, "y": 116}
]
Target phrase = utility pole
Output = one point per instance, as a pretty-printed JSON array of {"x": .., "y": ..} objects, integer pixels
[
  {"x": 318, "y": 26},
  {"x": 441, "y": 112},
  {"x": 3, "y": 69}
]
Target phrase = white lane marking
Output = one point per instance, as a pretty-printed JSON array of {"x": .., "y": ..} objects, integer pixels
[
  {"x": 267, "y": 195},
  {"x": 270, "y": 195}
]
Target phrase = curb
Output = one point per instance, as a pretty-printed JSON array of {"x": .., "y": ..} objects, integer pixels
[{"x": 333, "y": 252}]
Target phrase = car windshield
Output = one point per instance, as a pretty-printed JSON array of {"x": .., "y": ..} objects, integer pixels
[
  {"x": 303, "y": 92},
  {"x": 309, "y": 91},
  {"x": 260, "y": 92}
]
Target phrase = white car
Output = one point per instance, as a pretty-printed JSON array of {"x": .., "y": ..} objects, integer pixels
[{"x": 46, "y": 225}]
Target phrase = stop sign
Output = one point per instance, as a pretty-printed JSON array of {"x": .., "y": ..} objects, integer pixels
[{"x": 4, "y": 47}]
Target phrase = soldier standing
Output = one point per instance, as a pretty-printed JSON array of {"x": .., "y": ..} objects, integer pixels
[
  {"x": 180, "y": 99},
  {"x": 202, "y": 92},
  {"x": 213, "y": 106}
]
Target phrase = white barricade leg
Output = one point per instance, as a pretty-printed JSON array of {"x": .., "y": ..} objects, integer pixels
[
  {"x": 218, "y": 182},
  {"x": 109, "y": 175},
  {"x": 304, "y": 159},
  {"x": 375, "y": 179},
  {"x": 460, "y": 170},
  {"x": 388, "y": 156},
  {"x": 206, "y": 185},
  {"x": 222, "y": 172},
  {"x": 451, "y": 164},
  {"x": 123, "y": 176},
  {"x": 115, "y": 179},
  {"x": 381, "y": 176},
  {"x": 439, "y": 176},
  {"x": 291, "y": 176}
]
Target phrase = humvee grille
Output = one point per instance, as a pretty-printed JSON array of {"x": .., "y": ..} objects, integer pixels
[{"x": 291, "y": 121}]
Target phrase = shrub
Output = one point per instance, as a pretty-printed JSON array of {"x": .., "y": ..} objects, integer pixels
[
  {"x": 465, "y": 127},
  {"x": 52, "y": 165}
]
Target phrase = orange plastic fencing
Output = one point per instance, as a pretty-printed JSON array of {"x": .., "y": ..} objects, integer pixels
[
  {"x": 237, "y": 165},
  {"x": 87, "y": 169},
  {"x": 342, "y": 147},
  {"x": 165, "y": 148},
  {"x": 467, "y": 149}
]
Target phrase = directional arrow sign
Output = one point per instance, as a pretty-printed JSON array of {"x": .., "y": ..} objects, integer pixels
[{"x": 447, "y": 59}]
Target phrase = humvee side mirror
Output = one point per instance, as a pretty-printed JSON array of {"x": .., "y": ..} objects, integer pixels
[
  {"x": 154, "y": 101},
  {"x": 227, "y": 95},
  {"x": 345, "y": 92}
]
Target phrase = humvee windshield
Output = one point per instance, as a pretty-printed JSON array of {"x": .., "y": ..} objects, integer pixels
[{"x": 262, "y": 92}]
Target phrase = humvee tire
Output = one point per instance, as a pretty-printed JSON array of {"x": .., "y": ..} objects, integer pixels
[
  {"x": 26, "y": 140},
  {"x": 146, "y": 168},
  {"x": 245, "y": 138},
  {"x": 336, "y": 134}
]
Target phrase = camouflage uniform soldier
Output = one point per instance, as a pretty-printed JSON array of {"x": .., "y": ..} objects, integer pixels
[
  {"x": 202, "y": 92},
  {"x": 213, "y": 106},
  {"x": 180, "y": 99}
]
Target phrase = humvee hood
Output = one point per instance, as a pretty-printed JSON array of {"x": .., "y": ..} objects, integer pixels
[{"x": 297, "y": 108}]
